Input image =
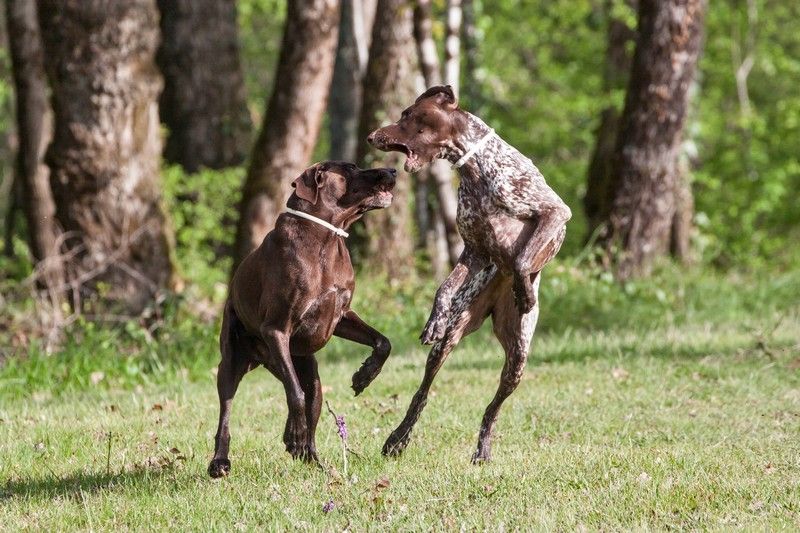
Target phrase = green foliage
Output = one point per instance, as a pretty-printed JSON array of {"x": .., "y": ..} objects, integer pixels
[
  {"x": 541, "y": 77},
  {"x": 203, "y": 207}
]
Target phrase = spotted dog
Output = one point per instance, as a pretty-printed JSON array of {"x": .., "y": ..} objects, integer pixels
[{"x": 512, "y": 224}]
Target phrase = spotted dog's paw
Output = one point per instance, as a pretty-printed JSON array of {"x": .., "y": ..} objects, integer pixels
[{"x": 435, "y": 328}]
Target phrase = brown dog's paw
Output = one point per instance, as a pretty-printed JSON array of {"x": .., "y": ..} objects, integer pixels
[
  {"x": 219, "y": 468},
  {"x": 303, "y": 452},
  {"x": 365, "y": 375},
  {"x": 396, "y": 443}
]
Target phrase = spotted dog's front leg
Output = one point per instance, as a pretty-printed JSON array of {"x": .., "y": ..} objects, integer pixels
[
  {"x": 538, "y": 251},
  {"x": 468, "y": 265}
]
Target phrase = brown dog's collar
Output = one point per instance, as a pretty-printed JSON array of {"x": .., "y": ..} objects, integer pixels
[{"x": 338, "y": 231}]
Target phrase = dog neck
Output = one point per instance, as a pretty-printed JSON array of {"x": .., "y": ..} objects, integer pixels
[
  {"x": 325, "y": 224},
  {"x": 471, "y": 137}
]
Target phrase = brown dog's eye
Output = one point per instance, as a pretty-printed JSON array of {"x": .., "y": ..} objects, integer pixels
[{"x": 420, "y": 130}]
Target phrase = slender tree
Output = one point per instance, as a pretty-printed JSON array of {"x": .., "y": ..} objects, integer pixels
[
  {"x": 34, "y": 132},
  {"x": 293, "y": 119},
  {"x": 617, "y": 67},
  {"x": 204, "y": 102},
  {"x": 387, "y": 243},
  {"x": 644, "y": 168},
  {"x": 432, "y": 72},
  {"x": 469, "y": 36},
  {"x": 104, "y": 156},
  {"x": 352, "y": 53}
]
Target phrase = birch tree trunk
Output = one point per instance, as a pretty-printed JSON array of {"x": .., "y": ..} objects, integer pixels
[{"x": 439, "y": 170}]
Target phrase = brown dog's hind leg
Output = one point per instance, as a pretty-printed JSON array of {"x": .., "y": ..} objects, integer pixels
[
  {"x": 233, "y": 366},
  {"x": 514, "y": 331},
  {"x": 352, "y": 328},
  {"x": 280, "y": 363},
  {"x": 469, "y": 309},
  {"x": 308, "y": 374}
]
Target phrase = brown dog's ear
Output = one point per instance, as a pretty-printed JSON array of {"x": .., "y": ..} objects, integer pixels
[
  {"x": 307, "y": 184},
  {"x": 444, "y": 95}
]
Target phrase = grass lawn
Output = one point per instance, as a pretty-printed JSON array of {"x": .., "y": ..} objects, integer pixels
[{"x": 638, "y": 410}]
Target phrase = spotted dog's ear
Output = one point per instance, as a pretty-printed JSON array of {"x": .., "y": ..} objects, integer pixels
[
  {"x": 444, "y": 95},
  {"x": 307, "y": 184}
]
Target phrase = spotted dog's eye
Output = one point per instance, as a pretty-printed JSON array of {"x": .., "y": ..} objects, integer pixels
[{"x": 405, "y": 114}]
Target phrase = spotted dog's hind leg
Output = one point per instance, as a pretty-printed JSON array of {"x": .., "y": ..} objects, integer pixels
[
  {"x": 514, "y": 331},
  {"x": 470, "y": 306}
]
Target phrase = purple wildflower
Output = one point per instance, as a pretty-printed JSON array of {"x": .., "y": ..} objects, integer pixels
[
  {"x": 342, "y": 427},
  {"x": 328, "y": 506}
]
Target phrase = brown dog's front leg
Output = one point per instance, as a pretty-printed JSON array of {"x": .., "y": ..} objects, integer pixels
[{"x": 352, "y": 328}]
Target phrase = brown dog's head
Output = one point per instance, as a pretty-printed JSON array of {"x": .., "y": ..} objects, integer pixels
[
  {"x": 424, "y": 129},
  {"x": 339, "y": 188}
]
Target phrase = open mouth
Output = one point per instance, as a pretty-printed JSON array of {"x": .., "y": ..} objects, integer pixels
[{"x": 411, "y": 164}]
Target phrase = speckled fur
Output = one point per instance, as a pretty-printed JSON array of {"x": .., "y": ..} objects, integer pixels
[{"x": 512, "y": 224}]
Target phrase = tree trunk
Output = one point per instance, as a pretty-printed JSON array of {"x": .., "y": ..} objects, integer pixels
[
  {"x": 204, "y": 102},
  {"x": 293, "y": 119},
  {"x": 348, "y": 75},
  {"x": 615, "y": 76},
  {"x": 439, "y": 170},
  {"x": 469, "y": 35},
  {"x": 105, "y": 151},
  {"x": 452, "y": 48},
  {"x": 386, "y": 242},
  {"x": 34, "y": 133},
  {"x": 645, "y": 161}
]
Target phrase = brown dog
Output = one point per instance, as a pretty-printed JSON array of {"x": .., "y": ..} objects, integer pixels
[
  {"x": 290, "y": 295},
  {"x": 512, "y": 224}
]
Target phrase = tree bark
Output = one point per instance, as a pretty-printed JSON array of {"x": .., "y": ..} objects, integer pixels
[
  {"x": 452, "y": 48},
  {"x": 386, "y": 243},
  {"x": 34, "y": 132},
  {"x": 105, "y": 151},
  {"x": 615, "y": 76},
  {"x": 204, "y": 103},
  {"x": 469, "y": 35},
  {"x": 352, "y": 53},
  {"x": 293, "y": 119},
  {"x": 644, "y": 168},
  {"x": 439, "y": 170}
]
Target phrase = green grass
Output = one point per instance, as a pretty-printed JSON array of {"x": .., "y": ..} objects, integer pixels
[{"x": 673, "y": 403}]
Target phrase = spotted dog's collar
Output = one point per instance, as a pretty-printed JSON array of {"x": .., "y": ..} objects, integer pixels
[
  {"x": 338, "y": 231},
  {"x": 472, "y": 151}
]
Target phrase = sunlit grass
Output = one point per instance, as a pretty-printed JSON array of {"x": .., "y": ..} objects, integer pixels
[{"x": 688, "y": 417}]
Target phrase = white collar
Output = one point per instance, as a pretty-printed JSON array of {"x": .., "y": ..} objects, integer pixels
[
  {"x": 338, "y": 231},
  {"x": 477, "y": 146}
]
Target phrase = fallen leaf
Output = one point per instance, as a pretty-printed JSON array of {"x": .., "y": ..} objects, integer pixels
[
  {"x": 157, "y": 407},
  {"x": 96, "y": 377},
  {"x": 643, "y": 478}
]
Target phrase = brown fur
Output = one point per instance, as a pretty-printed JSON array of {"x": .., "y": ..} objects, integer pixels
[{"x": 290, "y": 295}]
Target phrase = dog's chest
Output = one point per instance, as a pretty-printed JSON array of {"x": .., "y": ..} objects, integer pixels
[
  {"x": 484, "y": 221},
  {"x": 322, "y": 315}
]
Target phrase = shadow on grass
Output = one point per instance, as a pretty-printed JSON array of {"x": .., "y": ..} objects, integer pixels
[{"x": 77, "y": 484}]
